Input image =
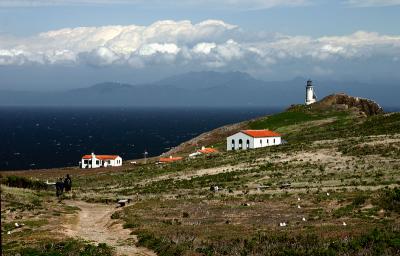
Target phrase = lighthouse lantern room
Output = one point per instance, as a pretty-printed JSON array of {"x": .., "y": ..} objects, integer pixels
[{"x": 310, "y": 94}]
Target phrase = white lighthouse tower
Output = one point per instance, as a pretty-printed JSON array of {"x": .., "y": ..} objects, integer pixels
[{"x": 310, "y": 94}]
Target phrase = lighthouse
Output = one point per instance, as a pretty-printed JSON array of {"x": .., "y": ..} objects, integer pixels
[{"x": 310, "y": 94}]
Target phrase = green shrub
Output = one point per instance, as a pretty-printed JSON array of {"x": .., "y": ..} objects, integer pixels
[
  {"x": 130, "y": 225},
  {"x": 22, "y": 182},
  {"x": 115, "y": 215},
  {"x": 162, "y": 246},
  {"x": 375, "y": 242},
  {"x": 359, "y": 200},
  {"x": 70, "y": 247},
  {"x": 343, "y": 211},
  {"x": 389, "y": 199}
]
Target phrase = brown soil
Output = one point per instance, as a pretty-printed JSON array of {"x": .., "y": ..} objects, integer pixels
[{"x": 93, "y": 223}]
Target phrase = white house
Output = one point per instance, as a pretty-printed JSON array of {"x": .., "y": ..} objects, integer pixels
[
  {"x": 96, "y": 161},
  {"x": 246, "y": 139}
]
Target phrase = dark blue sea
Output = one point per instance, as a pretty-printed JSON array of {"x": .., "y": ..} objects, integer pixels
[{"x": 33, "y": 138}]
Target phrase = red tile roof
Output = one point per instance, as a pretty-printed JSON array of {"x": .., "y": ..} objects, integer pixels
[
  {"x": 207, "y": 150},
  {"x": 169, "y": 159},
  {"x": 261, "y": 133},
  {"x": 101, "y": 157}
]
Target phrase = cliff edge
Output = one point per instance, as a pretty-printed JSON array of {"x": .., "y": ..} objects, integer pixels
[{"x": 343, "y": 101}]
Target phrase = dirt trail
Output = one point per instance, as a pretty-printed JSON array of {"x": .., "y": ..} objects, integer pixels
[{"x": 93, "y": 223}]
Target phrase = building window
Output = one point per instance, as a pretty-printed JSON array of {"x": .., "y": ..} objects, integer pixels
[
  {"x": 240, "y": 144},
  {"x": 247, "y": 143},
  {"x": 274, "y": 141},
  {"x": 267, "y": 141},
  {"x": 97, "y": 162},
  {"x": 261, "y": 142},
  {"x": 233, "y": 144}
]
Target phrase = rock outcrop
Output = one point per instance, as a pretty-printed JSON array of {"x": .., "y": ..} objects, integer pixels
[{"x": 343, "y": 101}]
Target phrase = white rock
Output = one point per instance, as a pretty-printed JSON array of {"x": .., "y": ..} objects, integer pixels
[
  {"x": 299, "y": 206},
  {"x": 298, "y": 199},
  {"x": 303, "y": 219},
  {"x": 344, "y": 223},
  {"x": 9, "y": 233},
  {"x": 16, "y": 225},
  {"x": 327, "y": 193}
]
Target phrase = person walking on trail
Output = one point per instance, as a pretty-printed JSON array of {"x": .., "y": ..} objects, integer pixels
[
  {"x": 68, "y": 183},
  {"x": 59, "y": 188}
]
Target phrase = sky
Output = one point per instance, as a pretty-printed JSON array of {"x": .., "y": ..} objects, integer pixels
[{"x": 62, "y": 44}]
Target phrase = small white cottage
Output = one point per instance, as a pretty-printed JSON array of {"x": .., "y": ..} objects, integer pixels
[
  {"x": 247, "y": 139},
  {"x": 96, "y": 161}
]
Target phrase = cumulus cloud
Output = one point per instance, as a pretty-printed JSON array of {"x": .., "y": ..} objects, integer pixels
[
  {"x": 372, "y": 3},
  {"x": 211, "y": 43},
  {"x": 204, "y": 48}
]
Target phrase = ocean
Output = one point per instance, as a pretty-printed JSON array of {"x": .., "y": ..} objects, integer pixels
[{"x": 39, "y": 137}]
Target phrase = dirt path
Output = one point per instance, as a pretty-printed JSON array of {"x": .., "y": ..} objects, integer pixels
[{"x": 93, "y": 223}]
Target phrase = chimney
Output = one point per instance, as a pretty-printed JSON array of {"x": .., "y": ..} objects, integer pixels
[
  {"x": 93, "y": 155},
  {"x": 202, "y": 148},
  {"x": 170, "y": 157}
]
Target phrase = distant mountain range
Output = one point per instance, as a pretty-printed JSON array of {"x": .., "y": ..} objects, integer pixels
[{"x": 198, "y": 89}]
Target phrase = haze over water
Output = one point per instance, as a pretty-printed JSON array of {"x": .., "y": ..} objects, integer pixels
[{"x": 33, "y": 138}]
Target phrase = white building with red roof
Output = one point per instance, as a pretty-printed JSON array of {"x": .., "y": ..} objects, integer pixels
[
  {"x": 169, "y": 159},
  {"x": 249, "y": 139},
  {"x": 204, "y": 151},
  {"x": 96, "y": 161}
]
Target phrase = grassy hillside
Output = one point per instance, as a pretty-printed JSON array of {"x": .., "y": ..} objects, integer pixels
[
  {"x": 344, "y": 197},
  {"x": 299, "y": 122}
]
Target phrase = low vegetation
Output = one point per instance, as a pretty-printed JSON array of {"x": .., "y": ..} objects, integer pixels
[
  {"x": 69, "y": 247},
  {"x": 342, "y": 196},
  {"x": 23, "y": 182}
]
